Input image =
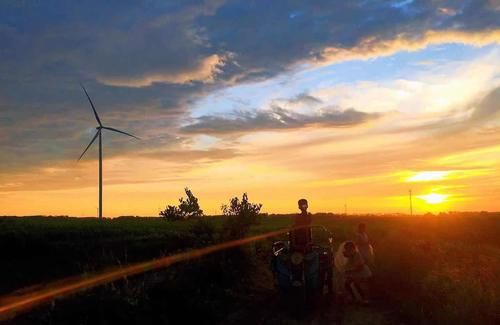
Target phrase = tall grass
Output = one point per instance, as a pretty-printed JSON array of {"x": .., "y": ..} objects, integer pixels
[
  {"x": 435, "y": 269},
  {"x": 429, "y": 269}
]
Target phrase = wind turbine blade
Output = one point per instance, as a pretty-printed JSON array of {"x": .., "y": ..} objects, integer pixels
[
  {"x": 91, "y": 141},
  {"x": 91, "y": 104},
  {"x": 116, "y": 130}
]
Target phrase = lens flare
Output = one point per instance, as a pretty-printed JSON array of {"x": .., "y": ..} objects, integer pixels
[{"x": 22, "y": 301}]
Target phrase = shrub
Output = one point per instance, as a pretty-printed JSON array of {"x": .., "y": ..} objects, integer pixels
[
  {"x": 241, "y": 215},
  {"x": 188, "y": 208},
  {"x": 171, "y": 213}
]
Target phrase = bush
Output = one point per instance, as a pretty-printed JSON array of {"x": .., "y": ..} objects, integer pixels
[
  {"x": 172, "y": 213},
  {"x": 188, "y": 208},
  {"x": 241, "y": 215}
]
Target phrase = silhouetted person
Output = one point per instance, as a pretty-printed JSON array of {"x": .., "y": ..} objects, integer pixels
[
  {"x": 363, "y": 244},
  {"x": 301, "y": 239}
]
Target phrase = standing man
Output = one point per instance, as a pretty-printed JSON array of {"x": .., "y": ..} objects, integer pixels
[{"x": 301, "y": 239}]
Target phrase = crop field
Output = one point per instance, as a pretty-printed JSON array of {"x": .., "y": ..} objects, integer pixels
[{"x": 428, "y": 270}]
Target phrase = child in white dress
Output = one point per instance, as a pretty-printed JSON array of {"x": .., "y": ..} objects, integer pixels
[{"x": 352, "y": 271}]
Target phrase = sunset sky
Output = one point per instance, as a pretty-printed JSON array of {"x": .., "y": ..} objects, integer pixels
[{"x": 340, "y": 102}]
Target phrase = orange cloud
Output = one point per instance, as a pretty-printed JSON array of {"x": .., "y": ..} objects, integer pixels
[
  {"x": 205, "y": 71},
  {"x": 373, "y": 46}
]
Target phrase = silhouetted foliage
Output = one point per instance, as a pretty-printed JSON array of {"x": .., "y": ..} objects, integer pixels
[
  {"x": 188, "y": 208},
  {"x": 171, "y": 213},
  {"x": 241, "y": 215}
]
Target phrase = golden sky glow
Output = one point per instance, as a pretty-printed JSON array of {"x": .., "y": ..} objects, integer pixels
[
  {"x": 428, "y": 176},
  {"x": 370, "y": 168},
  {"x": 433, "y": 198}
]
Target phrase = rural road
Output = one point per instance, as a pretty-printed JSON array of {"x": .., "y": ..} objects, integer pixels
[{"x": 269, "y": 308}]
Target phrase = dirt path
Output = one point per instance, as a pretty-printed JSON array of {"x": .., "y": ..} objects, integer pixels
[
  {"x": 357, "y": 315},
  {"x": 264, "y": 305},
  {"x": 267, "y": 307}
]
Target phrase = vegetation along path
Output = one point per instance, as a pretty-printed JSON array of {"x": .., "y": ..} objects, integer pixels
[{"x": 429, "y": 269}]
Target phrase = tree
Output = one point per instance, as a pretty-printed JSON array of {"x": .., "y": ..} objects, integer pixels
[
  {"x": 188, "y": 208},
  {"x": 241, "y": 215}
]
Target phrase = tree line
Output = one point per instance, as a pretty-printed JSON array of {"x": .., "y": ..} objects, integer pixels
[{"x": 241, "y": 213}]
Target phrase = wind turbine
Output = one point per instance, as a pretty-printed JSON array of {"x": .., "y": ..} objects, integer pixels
[{"x": 99, "y": 129}]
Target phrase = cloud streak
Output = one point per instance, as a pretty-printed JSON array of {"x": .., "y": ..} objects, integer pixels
[{"x": 276, "y": 118}]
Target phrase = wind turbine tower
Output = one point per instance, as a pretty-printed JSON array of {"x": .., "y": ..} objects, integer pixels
[{"x": 99, "y": 129}]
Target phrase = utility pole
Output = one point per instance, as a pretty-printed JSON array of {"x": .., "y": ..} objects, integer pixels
[
  {"x": 411, "y": 203},
  {"x": 345, "y": 209}
]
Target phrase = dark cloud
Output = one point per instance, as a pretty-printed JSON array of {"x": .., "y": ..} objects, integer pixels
[
  {"x": 276, "y": 118},
  {"x": 268, "y": 38},
  {"x": 305, "y": 99},
  {"x": 130, "y": 40},
  {"x": 115, "y": 39},
  {"x": 33, "y": 133}
]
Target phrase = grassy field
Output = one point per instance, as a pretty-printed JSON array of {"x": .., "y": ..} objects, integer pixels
[
  {"x": 435, "y": 269},
  {"x": 429, "y": 270}
]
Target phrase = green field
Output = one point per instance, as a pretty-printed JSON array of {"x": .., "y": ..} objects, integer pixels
[{"x": 429, "y": 270}]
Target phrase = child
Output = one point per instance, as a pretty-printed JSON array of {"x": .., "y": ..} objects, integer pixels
[
  {"x": 363, "y": 244},
  {"x": 353, "y": 271}
]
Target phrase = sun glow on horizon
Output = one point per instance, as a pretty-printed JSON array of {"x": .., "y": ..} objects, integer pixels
[{"x": 434, "y": 198}]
